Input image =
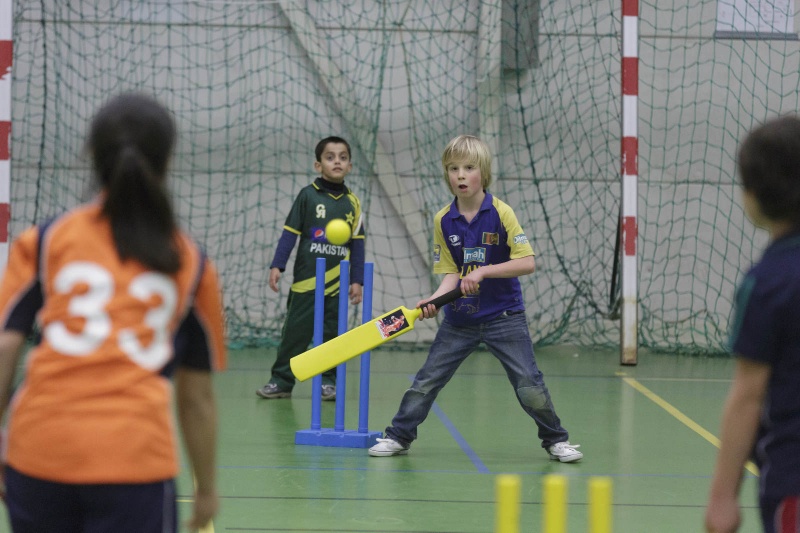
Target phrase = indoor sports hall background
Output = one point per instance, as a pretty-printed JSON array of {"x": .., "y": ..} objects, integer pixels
[{"x": 255, "y": 84}]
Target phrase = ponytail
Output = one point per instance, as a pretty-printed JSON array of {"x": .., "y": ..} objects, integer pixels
[
  {"x": 131, "y": 142},
  {"x": 142, "y": 221}
]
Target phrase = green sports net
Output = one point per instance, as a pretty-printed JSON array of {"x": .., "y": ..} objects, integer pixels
[{"x": 255, "y": 84}]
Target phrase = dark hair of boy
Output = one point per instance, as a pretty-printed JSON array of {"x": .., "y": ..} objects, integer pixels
[
  {"x": 769, "y": 166},
  {"x": 320, "y": 149}
]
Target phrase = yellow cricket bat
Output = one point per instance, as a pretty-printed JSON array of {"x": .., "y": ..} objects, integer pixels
[{"x": 361, "y": 339}]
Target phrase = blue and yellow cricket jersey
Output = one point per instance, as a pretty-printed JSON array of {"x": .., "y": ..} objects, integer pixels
[{"x": 494, "y": 236}]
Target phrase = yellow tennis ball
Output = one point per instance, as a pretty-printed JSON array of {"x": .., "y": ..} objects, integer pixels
[{"x": 337, "y": 231}]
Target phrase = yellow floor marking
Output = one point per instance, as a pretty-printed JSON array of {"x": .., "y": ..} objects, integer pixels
[{"x": 691, "y": 424}]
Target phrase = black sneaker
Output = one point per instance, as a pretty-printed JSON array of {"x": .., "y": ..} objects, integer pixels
[
  {"x": 328, "y": 393},
  {"x": 271, "y": 391}
]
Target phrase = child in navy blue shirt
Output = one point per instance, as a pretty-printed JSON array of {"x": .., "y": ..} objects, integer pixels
[
  {"x": 479, "y": 243},
  {"x": 761, "y": 418}
]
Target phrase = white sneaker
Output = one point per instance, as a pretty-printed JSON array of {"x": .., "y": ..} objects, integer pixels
[
  {"x": 565, "y": 452},
  {"x": 387, "y": 447},
  {"x": 328, "y": 393}
]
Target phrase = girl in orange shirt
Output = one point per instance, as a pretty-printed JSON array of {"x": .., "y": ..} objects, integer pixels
[{"x": 124, "y": 304}]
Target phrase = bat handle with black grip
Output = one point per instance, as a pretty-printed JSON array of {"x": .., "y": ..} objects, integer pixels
[{"x": 445, "y": 298}]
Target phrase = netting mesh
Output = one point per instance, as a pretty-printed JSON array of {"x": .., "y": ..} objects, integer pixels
[{"x": 254, "y": 86}]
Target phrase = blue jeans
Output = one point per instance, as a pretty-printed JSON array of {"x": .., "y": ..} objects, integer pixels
[{"x": 508, "y": 339}]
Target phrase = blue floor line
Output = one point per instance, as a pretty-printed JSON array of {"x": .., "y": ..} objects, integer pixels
[{"x": 462, "y": 442}]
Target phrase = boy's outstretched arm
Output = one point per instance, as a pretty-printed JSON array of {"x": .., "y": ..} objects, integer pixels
[
  {"x": 739, "y": 426},
  {"x": 512, "y": 268}
]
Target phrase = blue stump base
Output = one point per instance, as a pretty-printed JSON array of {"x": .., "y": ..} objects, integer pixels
[{"x": 339, "y": 439}]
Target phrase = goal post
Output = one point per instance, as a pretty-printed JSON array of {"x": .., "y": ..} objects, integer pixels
[
  {"x": 6, "y": 60},
  {"x": 629, "y": 315}
]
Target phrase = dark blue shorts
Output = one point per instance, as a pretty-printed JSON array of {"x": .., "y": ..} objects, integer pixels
[
  {"x": 35, "y": 505},
  {"x": 781, "y": 516}
]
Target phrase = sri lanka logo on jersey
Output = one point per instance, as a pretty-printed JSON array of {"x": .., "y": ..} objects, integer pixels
[
  {"x": 520, "y": 239},
  {"x": 437, "y": 253},
  {"x": 490, "y": 238},
  {"x": 474, "y": 255}
]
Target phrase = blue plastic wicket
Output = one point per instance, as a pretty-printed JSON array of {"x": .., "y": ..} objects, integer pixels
[
  {"x": 341, "y": 370},
  {"x": 338, "y": 436},
  {"x": 319, "y": 311},
  {"x": 363, "y": 389}
]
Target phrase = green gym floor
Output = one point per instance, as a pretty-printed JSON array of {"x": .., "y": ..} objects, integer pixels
[{"x": 652, "y": 428}]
